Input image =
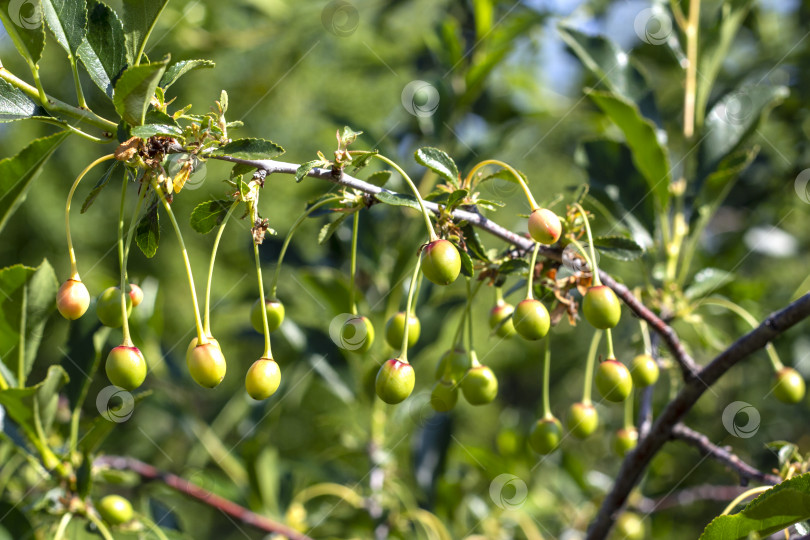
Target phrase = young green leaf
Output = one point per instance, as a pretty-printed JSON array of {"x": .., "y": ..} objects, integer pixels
[
  {"x": 23, "y": 24},
  {"x": 514, "y": 266},
  {"x": 15, "y": 105},
  {"x": 473, "y": 242},
  {"x": 379, "y": 178},
  {"x": 147, "y": 233},
  {"x": 135, "y": 89},
  {"x": 178, "y": 69},
  {"x": 361, "y": 160},
  {"x": 206, "y": 216},
  {"x": 250, "y": 149},
  {"x": 398, "y": 199},
  {"x": 150, "y": 130},
  {"x": 329, "y": 229},
  {"x": 306, "y": 167},
  {"x": 103, "y": 51},
  {"x": 706, "y": 282},
  {"x": 101, "y": 184},
  {"x": 466, "y": 263},
  {"x": 618, "y": 247},
  {"x": 19, "y": 403},
  {"x": 67, "y": 19},
  {"x": 440, "y": 163},
  {"x": 140, "y": 17}
]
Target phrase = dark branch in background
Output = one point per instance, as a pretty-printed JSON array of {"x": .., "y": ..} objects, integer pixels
[
  {"x": 148, "y": 472},
  {"x": 691, "y": 495},
  {"x": 723, "y": 455}
]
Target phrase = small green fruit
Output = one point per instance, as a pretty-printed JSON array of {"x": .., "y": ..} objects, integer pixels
[
  {"x": 395, "y": 381},
  {"x": 789, "y": 386},
  {"x": 444, "y": 396},
  {"x": 626, "y": 439},
  {"x": 441, "y": 262},
  {"x": 357, "y": 335},
  {"x": 108, "y": 307},
  {"x": 544, "y": 226},
  {"x": 135, "y": 294},
  {"x": 72, "y": 300},
  {"x": 502, "y": 312},
  {"x": 545, "y": 435},
  {"x": 613, "y": 380},
  {"x": 395, "y": 329},
  {"x": 452, "y": 365},
  {"x": 206, "y": 364},
  {"x": 275, "y": 315},
  {"x": 582, "y": 420},
  {"x": 262, "y": 379},
  {"x": 601, "y": 307},
  {"x": 126, "y": 367},
  {"x": 629, "y": 526},
  {"x": 115, "y": 510},
  {"x": 644, "y": 370},
  {"x": 479, "y": 385},
  {"x": 531, "y": 319}
]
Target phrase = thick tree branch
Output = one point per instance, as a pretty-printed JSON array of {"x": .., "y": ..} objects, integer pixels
[
  {"x": 728, "y": 458},
  {"x": 148, "y": 472},
  {"x": 636, "y": 461}
]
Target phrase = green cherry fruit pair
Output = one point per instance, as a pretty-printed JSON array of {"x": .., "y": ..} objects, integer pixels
[
  {"x": 395, "y": 381},
  {"x": 644, "y": 370},
  {"x": 789, "y": 386},
  {"x": 115, "y": 510},
  {"x": 452, "y": 365},
  {"x": 582, "y": 420},
  {"x": 441, "y": 262},
  {"x": 531, "y": 319},
  {"x": 500, "y": 319},
  {"x": 444, "y": 396},
  {"x": 108, "y": 307},
  {"x": 625, "y": 440},
  {"x": 262, "y": 379},
  {"x": 126, "y": 367},
  {"x": 613, "y": 380},
  {"x": 73, "y": 299},
  {"x": 275, "y": 315},
  {"x": 544, "y": 226},
  {"x": 601, "y": 307},
  {"x": 479, "y": 385},
  {"x": 629, "y": 526},
  {"x": 545, "y": 435},
  {"x": 206, "y": 364},
  {"x": 357, "y": 335},
  {"x": 395, "y": 330}
]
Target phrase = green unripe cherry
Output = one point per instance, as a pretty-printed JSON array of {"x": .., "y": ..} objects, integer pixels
[
  {"x": 545, "y": 435},
  {"x": 502, "y": 312},
  {"x": 441, "y": 262},
  {"x": 629, "y": 526},
  {"x": 126, "y": 367},
  {"x": 531, "y": 319},
  {"x": 613, "y": 380},
  {"x": 452, "y": 365},
  {"x": 582, "y": 420},
  {"x": 72, "y": 300},
  {"x": 135, "y": 294},
  {"x": 601, "y": 307},
  {"x": 108, "y": 307},
  {"x": 395, "y": 329},
  {"x": 115, "y": 510},
  {"x": 479, "y": 385},
  {"x": 262, "y": 379},
  {"x": 625, "y": 440},
  {"x": 206, "y": 364},
  {"x": 789, "y": 386},
  {"x": 395, "y": 381},
  {"x": 275, "y": 315},
  {"x": 357, "y": 335},
  {"x": 644, "y": 370},
  {"x": 444, "y": 396},
  {"x": 544, "y": 226}
]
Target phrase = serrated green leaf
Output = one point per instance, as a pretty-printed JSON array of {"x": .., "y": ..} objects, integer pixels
[
  {"x": 618, "y": 247},
  {"x": 19, "y": 403},
  {"x": 135, "y": 89},
  {"x": 362, "y": 160},
  {"x": 379, "y": 178},
  {"x": 504, "y": 174},
  {"x": 147, "y": 233},
  {"x": 514, "y": 266},
  {"x": 241, "y": 169},
  {"x": 473, "y": 242},
  {"x": 649, "y": 157},
  {"x": 305, "y": 168},
  {"x": 16, "y": 105},
  {"x": 178, "y": 69},
  {"x": 140, "y": 17},
  {"x": 24, "y": 24},
  {"x": 18, "y": 172},
  {"x": 250, "y": 149},
  {"x": 329, "y": 229},
  {"x": 207, "y": 215},
  {"x": 150, "y": 130},
  {"x": 706, "y": 282},
  {"x": 776, "y": 509},
  {"x": 467, "y": 267},
  {"x": 67, "y": 19},
  {"x": 456, "y": 197},
  {"x": 489, "y": 204},
  {"x": 101, "y": 184},
  {"x": 398, "y": 199},
  {"x": 103, "y": 51},
  {"x": 439, "y": 162}
]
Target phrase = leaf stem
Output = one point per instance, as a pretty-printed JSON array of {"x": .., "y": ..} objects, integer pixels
[
  {"x": 63, "y": 524},
  {"x": 408, "y": 306},
  {"x": 744, "y": 495},
  {"x": 518, "y": 177},
  {"x": 207, "y": 313},
  {"x": 102, "y": 529},
  {"x": 589, "y": 367},
  {"x": 425, "y": 215},
  {"x": 127, "y": 341},
  {"x": 609, "y": 336},
  {"x": 77, "y": 83}
]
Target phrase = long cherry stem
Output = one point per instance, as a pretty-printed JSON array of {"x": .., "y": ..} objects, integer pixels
[
  {"x": 518, "y": 177},
  {"x": 127, "y": 341},
  {"x": 530, "y": 284},
  {"x": 268, "y": 353},
  {"x": 207, "y": 312},
  {"x": 628, "y": 410},
  {"x": 586, "y": 387},
  {"x": 408, "y": 306},
  {"x": 594, "y": 266},
  {"x": 425, "y": 215},
  {"x": 353, "y": 264},
  {"x": 546, "y": 377}
]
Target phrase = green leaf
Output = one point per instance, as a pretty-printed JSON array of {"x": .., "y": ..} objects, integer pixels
[
  {"x": 67, "y": 19},
  {"x": 15, "y": 523},
  {"x": 19, "y": 402},
  {"x": 103, "y": 424},
  {"x": 16, "y": 105},
  {"x": 27, "y": 300},
  {"x": 250, "y": 149},
  {"x": 379, "y": 178},
  {"x": 776, "y": 509},
  {"x": 362, "y": 159},
  {"x": 150, "y": 130},
  {"x": 514, "y": 266},
  {"x": 305, "y": 168},
  {"x": 140, "y": 17},
  {"x": 473, "y": 242},
  {"x": 206, "y": 216},
  {"x": 348, "y": 136},
  {"x": 733, "y": 119},
  {"x": 103, "y": 51},
  {"x": 147, "y": 233},
  {"x": 24, "y": 25},
  {"x": 439, "y": 162},
  {"x": 329, "y": 229},
  {"x": 714, "y": 188},
  {"x": 457, "y": 196},
  {"x": 101, "y": 184},
  {"x": 135, "y": 89},
  {"x": 466, "y": 263},
  {"x": 618, "y": 247},
  {"x": 649, "y": 156},
  {"x": 178, "y": 69},
  {"x": 398, "y": 199},
  {"x": 18, "y": 172},
  {"x": 706, "y": 282}
]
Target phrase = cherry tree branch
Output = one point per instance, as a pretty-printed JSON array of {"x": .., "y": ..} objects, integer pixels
[{"x": 148, "y": 472}]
